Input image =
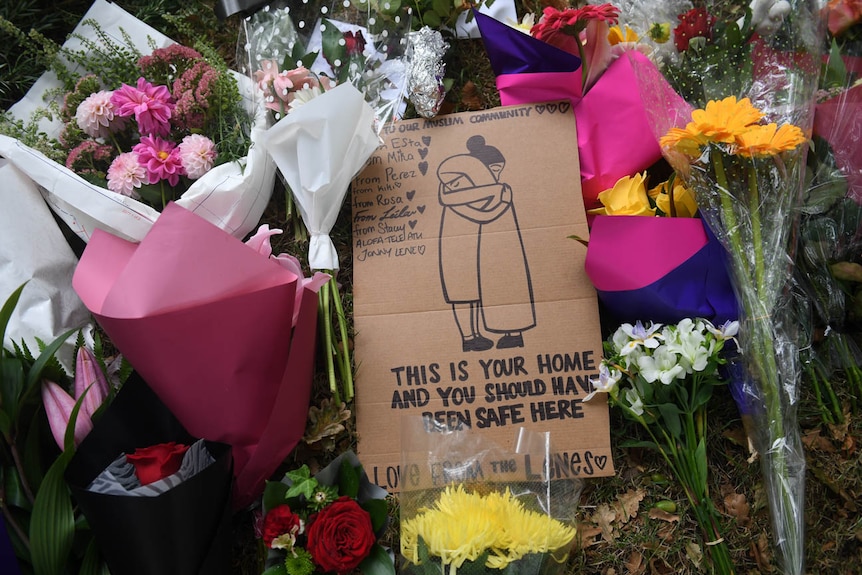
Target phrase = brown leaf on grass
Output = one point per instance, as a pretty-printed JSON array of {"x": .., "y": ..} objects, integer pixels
[
  {"x": 658, "y": 566},
  {"x": 629, "y": 502},
  {"x": 635, "y": 565},
  {"x": 470, "y": 97},
  {"x": 848, "y": 448},
  {"x": 661, "y": 515},
  {"x": 603, "y": 517},
  {"x": 761, "y": 553},
  {"x": 813, "y": 440},
  {"x": 587, "y": 535},
  {"x": 694, "y": 553},
  {"x": 736, "y": 505}
]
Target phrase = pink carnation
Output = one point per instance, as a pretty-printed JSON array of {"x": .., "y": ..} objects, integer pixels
[
  {"x": 161, "y": 159},
  {"x": 96, "y": 115},
  {"x": 125, "y": 174},
  {"x": 151, "y": 105},
  {"x": 197, "y": 154}
]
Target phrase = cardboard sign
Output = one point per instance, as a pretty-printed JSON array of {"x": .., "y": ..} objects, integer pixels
[{"x": 471, "y": 305}]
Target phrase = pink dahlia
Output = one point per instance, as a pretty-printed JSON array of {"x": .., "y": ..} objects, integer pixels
[
  {"x": 197, "y": 154},
  {"x": 161, "y": 158},
  {"x": 151, "y": 105},
  {"x": 96, "y": 115},
  {"x": 125, "y": 174}
]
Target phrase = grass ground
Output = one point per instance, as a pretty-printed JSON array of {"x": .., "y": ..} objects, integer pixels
[{"x": 627, "y": 525}]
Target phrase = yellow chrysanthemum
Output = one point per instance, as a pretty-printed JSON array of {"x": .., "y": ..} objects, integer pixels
[
  {"x": 769, "y": 140},
  {"x": 462, "y": 526},
  {"x": 660, "y": 32},
  {"x": 685, "y": 141},
  {"x": 620, "y": 34},
  {"x": 684, "y": 202},
  {"x": 724, "y": 120},
  {"x": 628, "y": 197}
]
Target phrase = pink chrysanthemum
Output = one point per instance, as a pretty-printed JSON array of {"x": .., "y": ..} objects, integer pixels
[
  {"x": 125, "y": 174},
  {"x": 197, "y": 154},
  {"x": 96, "y": 117},
  {"x": 161, "y": 159},
  {"x": 151, "y": 105}
]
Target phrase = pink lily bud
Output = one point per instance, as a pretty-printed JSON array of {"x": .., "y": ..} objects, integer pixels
[
  {"x": 88, "y": 374},
  {"x": 59, "y": 406}
]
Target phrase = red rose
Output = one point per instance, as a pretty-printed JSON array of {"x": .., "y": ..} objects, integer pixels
[
  {"x": 697, "y": 22},
  {"x": 158, "y": 461},
  {"x": 280, "y": 521},
  {"x": 355, "y": 43},
  {"x": 340, "y": 536}
]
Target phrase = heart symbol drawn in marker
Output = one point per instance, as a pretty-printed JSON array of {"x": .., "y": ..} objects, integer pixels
[
  {"x": 540, "y": 108},
  {"x": 426, "y": 140},
  {"x": 421, "y": 209},
  {"x": 423, "y": 167},
  {"x": 412, "y": 224},
  {"x": 423, "y": 152},
  {"x": 410, "y": 194}
]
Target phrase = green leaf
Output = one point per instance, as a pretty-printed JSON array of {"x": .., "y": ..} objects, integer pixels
[
  {"x": 700, "y": 459},
  {"x": 333, "y": 47},
  {"x": 431, "y": 19},
  {"x": 442, "y": 7},
  {"x": 273, "y": 494},
  {"x": 634, "y": 444},
  {"x": 379, "y": 512},
  {"x": 11, "y": 386},
  {"x": 6, "y": 312},
  {"x": 35, "y": 372},
  {"x": 703, "y": 395},
  {"x": 93, "y": 563},
  {"x": 15, "y": 496},
  {"x": 52, "y": 527},
  {"x": 348, "y": 479},
  {"x": 390, "y": 7},
  {"x": 670, "y": 417},
  {"x": 378, "y": 562},
  {"x": 5, "y": 424}
]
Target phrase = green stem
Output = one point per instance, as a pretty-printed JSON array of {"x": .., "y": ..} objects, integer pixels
[
  {"x": 343, "y": 352},
  {"x": 756, "y": 233},
  {"x": 326, "y": 326}
]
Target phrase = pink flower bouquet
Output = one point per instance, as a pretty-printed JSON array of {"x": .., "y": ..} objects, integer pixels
[
  {"x": 223, "y": 333},
  {"x": 176, "y": 127}
]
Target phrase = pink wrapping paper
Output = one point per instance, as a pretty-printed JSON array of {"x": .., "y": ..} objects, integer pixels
[
  {"x": 206, "y": 321},
  {"x": 615, "y": 138},
  {"x": 839, "y": 121}
]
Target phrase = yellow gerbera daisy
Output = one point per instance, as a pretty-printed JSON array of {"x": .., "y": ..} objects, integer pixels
[
  {"x": 769, "y": 140},
  {"x": 724, "y": 120}
]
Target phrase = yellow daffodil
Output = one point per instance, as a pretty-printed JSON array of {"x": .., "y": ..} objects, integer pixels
[
  {"x": 769, "y": 140},
  {"x": 628, "y": 197},
  {"x": 685, "y": 205},
  {"x": 462, "y": 526},
  {"x": 620, "y": 34}
]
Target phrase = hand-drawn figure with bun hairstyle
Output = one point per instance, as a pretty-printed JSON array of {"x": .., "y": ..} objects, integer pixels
[{"x": 478, "y": 230}]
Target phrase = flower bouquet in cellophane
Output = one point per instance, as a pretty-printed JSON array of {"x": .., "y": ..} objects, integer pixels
[
  {"x": 469, "y": 506},
  {"x": 742, "y": 150},
  {"x": 331, "y": 76},
  {"x": 137, "y": 121}
]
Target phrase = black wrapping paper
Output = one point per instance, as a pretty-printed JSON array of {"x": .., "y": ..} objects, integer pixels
[{"x": 184, "y": 531}]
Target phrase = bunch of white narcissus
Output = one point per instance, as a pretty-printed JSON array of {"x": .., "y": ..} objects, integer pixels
[{"x": 767, "y": 15}]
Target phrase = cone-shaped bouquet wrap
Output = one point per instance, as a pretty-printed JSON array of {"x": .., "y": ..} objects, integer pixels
[
  {"x": 615, "y": 138},
  {"x": 207, "y": 321},
  {"x": 839, "y": 121},
  {"x": 185, "y": 527},
  {"x": 319, "y": 148},
  {"x": 681, "y": 275}
]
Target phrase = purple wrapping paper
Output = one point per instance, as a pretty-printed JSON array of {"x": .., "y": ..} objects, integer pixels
[
  {"x": 659, "y": 269},
  {"x": 615, "y": 138}
]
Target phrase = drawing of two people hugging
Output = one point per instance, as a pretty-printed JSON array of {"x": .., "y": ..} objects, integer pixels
[{"x": 483, "y": 265}]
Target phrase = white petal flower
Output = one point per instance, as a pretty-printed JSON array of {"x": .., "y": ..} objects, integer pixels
[
  {"x": 607, "y": 381},
  {"x": 640, "y": 336},
  {"x": 634, "y": 401},
  {"x": 663, "y": 365}
]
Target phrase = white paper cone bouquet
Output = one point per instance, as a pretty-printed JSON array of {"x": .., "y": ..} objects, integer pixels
[{"x": 331, "y": 75}]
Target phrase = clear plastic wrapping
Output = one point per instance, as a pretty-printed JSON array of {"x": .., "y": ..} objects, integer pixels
[{"x": 468, "y": 504}]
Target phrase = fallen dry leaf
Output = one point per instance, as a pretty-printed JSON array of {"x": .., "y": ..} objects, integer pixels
[
  {"x": 588, "y": 534},
  {"x": 661, "y": 515},
  {"x": 635, "y": 565},
  {"x": 603, "y": 517},
  {"x": 658, "y": 566},
  {"x": 470, "y": 97},
  {"x": 694, "y": 553},
  {"x": 736, "y": 506},
  {"x": 629, "y": 502},
  {"x": 761, "y": 553},
  {"x": 813, "y": 440}
]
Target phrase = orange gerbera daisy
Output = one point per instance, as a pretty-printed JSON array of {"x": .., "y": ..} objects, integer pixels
[
  {"x": 684, "y": 140},
  {"x": 769, "y": 140},
  {"x": 724, "y": 120}
]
